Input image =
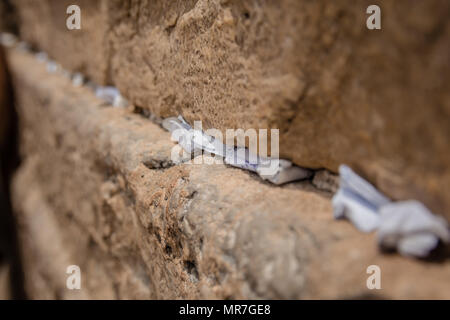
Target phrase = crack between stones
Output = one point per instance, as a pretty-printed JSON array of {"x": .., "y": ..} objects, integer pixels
[{"x": 157, "y": 164}]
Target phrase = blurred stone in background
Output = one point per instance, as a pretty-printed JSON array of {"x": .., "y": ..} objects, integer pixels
[{"x": 11, "y": 283}]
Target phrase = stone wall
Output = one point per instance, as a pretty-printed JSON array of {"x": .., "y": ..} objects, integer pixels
[
  {"x": 97, "y": 189},
  {"x": 339, "y": 93}
]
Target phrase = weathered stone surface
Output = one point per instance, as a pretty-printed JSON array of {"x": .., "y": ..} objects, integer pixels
[
  {"x": 325, "y": 180},
  {"x": 43, "y": 24},
  {"x": 375, "y": 100},
  {"x": 339, "y": 92},
  {"x": 97, "y": 189}
]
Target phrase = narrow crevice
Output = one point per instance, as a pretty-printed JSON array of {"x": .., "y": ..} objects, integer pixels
[
  {"x": 191, "y": 268},
  {"x": 156, "y": 164}
]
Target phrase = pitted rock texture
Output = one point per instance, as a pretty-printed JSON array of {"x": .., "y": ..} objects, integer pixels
[
  {"x": 339, "y": 93},
  {"x": 101, "y": 183}
]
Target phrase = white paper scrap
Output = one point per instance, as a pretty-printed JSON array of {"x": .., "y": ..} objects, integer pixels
[
  {"x": 407, "y": 226},
  {"x": 196, "y": 141}
]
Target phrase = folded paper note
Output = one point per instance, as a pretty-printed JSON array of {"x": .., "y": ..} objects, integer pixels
[
  {"x": 111, "y": 95},
  {"x": 407, "y": 226},
  {"x": 411, "y": 228},
  {"x": 277, "y": 171}
]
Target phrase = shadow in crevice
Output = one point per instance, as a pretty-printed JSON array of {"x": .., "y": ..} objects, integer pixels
[
  {"x": 9, "y": 161},
  {"x": 439, "y": 255}
]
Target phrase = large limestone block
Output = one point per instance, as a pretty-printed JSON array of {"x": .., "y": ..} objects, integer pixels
[
  {"x": 98, "y": 189},
  {"x": 377, "y": 100},
  {"x": 340, "y": 93}
]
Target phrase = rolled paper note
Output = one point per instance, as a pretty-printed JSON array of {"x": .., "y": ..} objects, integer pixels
[
  {"x": 407, "y": 226},
  {"x": 277, "y": 171}
]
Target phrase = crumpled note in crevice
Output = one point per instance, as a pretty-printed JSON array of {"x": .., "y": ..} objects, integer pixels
[
  {"x": 411, "y": 228},
  {"x": 407, "y": 226},
  {"x": 277, "y": 171},
  {"x": 111, "y": 95}
]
